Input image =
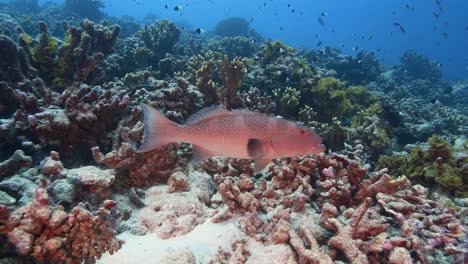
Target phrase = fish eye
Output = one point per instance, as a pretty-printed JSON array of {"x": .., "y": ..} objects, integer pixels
[{"x": 303, "y": 132}]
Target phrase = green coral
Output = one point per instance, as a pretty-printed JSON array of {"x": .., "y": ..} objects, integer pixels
[
  {"x": 329, "y": 99},
  {"x": 273, "y": 50},
  {"x": 440, "y": 148},
  {"x": 360, "y": 97},
  {"x": 196, "y": 62},
  {"x": 288, "y": 100},
  {"x": 434, "y": 165}
]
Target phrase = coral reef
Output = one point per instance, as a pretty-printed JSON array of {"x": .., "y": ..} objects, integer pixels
[
  {"x": 80, "y": 58},
  {"x": 52, "y": 234},
  {"x": 416, "y": 66},
  {"x": 434, "y": 163},
  {"x": 234, "y": 46},
  {"x": 14, "y": 65},
  {"x": 362, "y": 69},
  {"x": 232, "y": 27},
  {"x": 73, "y": 184},
  {"x": 87, "y": 8},
  {"x": 9, "y": 27},
  {"x": 351, "y": 206},
  {"x": 159, "y": 39},
  {"x": 229, "y": 74}
]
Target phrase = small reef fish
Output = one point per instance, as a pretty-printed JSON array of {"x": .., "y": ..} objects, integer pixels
[
  {"x": 402, "y": 29},
  {"x": 321, "y": 21},
  {"x": 214, "y": 131}
]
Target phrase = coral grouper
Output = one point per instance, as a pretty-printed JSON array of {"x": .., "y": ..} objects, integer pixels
[{"x": 214, "y": 131}]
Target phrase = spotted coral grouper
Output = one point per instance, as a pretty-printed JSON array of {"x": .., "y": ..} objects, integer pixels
[{"x": 214, "y": 131}]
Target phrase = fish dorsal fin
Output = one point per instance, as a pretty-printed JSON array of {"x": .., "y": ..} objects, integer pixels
[
  {"x": 207, "y": 113},
  {"x": 244, "y": 111},
  {"x": 216, "y": 111}
]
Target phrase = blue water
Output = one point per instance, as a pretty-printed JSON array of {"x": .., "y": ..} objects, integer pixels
[{"x": 348, "y": 22}]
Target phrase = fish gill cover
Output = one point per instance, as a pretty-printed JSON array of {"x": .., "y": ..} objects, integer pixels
[{"x": 386, "y": 92}]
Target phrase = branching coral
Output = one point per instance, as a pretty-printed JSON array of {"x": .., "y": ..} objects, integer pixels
[
  {"x": 356, "y": 210},
  {"x": 14, "y": 63},
  {"x": 345, "y": 238},
  {"x": 315, "y": 254},
  {"x": 229, "y": 73},
  {"x": 159, "y": 39},
  {"x": 80, "y": 58},
  {"x": 52, "y": 234}
]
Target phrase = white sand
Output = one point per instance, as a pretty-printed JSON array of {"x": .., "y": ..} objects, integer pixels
[{"x": 203, "y": 241}]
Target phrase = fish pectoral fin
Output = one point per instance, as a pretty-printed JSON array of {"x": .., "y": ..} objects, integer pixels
[
  {"x": 200, "y": 154},
  {"x": 258, "y": 150},
  {"x": 260, "y": 164}
]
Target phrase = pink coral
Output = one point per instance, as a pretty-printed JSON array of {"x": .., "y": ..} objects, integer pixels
[{"x": 55, "y": 235}]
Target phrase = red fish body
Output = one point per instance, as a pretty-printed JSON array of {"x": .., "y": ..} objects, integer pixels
[{"x": 214, "y": 131}]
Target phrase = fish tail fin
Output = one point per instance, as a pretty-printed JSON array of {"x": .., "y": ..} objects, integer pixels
[{"x": 158, "y": 130}]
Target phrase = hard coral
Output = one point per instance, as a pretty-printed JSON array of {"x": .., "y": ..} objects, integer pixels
[
  {"x": 89, "y": 114},
  {"x": 345, "y": 239},
  {"x": 234, "y": 46},
  {"x": 159, "y": 39},
  {"x": 227, "y": 73},
  {"x": 135, "y": 169},
  {"x": 416, "y": 66},
  {"x": 54, "y": 235},
  {"x": 14, "y": 164},
  {"x": 86, "y": 8},
  {"x": 9, "y": 27},
  {"x": 79, "y": 58},
  {"x": 14, "y": 63},
  {"x": 435, "y": 164},
  {"x": 232, "y": 27}
]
